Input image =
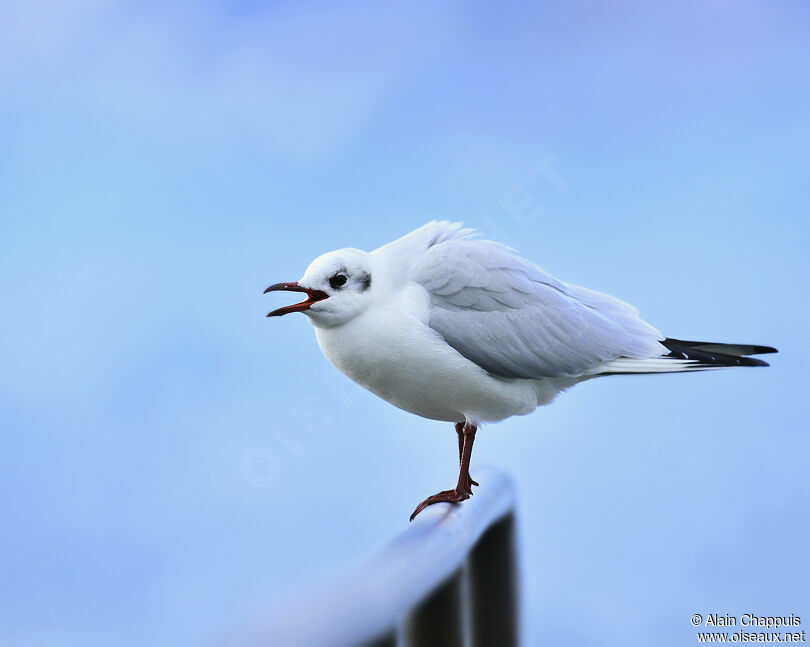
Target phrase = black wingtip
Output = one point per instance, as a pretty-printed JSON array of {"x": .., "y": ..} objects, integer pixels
[
  {"x": 753, "y": 361},
  {"x": 736, "y": 350},
  {"x": 713, "y": 354}
]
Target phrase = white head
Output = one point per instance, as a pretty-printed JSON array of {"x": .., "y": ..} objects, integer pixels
[{"x": 337, "y": 285}]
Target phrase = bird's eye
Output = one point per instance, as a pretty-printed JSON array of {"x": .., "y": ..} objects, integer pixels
[{"x": 337, "y": 280}]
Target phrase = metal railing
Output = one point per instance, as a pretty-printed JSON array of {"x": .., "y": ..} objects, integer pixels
[{"x": 448, "y": 580}]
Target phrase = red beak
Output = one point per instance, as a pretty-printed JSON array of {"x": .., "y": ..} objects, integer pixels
[{"x": 313, "y": 296}]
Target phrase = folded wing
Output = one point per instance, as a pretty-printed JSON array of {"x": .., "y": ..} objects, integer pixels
[{"x": 517, "y": 321}]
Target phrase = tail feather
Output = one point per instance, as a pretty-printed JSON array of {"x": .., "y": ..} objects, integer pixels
[{"x": 691, "y": 356}]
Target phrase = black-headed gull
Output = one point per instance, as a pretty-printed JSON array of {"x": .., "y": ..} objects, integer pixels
[{"x": 454, "y": 328}]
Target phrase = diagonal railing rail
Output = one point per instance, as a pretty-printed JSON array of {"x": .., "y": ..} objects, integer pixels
[{"x": 448, "y": 580}]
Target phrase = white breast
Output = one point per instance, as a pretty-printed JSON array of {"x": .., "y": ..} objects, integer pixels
[{"x": 390, "y": 350}]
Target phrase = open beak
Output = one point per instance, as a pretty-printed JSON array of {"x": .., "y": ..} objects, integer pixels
[{"x": 313, "y": 296}]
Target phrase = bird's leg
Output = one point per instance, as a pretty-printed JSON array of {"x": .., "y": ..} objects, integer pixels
[
  {"x": 460, "y": 434},
  {"x": 463, "y": 488}
]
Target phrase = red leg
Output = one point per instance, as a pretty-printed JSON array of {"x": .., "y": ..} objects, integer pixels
[
  {"x": 463, "y": 488},
  {"x": 460, "y": 434}
]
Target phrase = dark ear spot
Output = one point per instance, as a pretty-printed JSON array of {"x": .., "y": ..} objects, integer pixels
[{"x": 365, "y": 281}]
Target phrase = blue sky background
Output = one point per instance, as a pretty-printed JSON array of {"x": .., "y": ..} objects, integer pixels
[{"x": 173, "y": 463}]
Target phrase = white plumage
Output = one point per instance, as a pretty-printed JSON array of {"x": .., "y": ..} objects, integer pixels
[
  {"x": 458, "y": 328},
  {"x": 455, "y": 328}
]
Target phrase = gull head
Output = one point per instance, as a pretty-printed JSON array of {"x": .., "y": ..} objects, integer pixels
[{"x": 337, "y": 285}]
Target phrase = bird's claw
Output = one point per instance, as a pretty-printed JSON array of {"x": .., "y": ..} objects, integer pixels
[{"x": 446, "y": 496}]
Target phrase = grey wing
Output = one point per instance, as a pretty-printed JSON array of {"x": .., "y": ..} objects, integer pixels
[{"x": 515, "y": 320}]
